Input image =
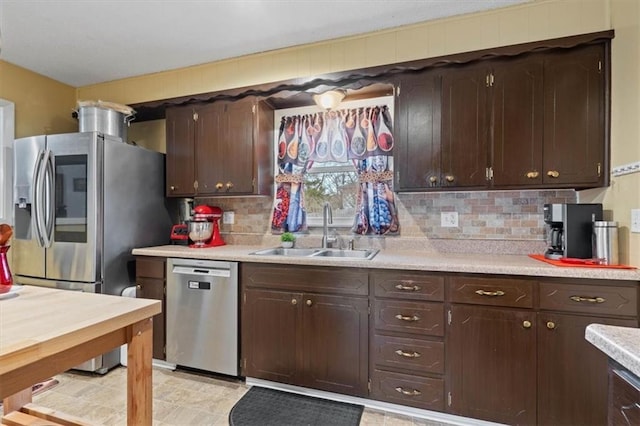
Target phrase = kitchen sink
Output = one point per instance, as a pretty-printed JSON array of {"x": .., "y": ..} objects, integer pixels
[
  {"x": 366, "y": 254},
  {"x": 353, "y": 254},
  {"x": 287, "y": 252}
]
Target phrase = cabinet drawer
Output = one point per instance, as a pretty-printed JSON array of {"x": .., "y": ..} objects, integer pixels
[
  {"x": 591, "y": 299},
  {"x": 421, "y": 356},
  {"x": 306, "y": 278},
  {"x": 404, "y": 389},
  {"x": 410, "y": 317},
  {"x": 150, "y": 268},
  {"x": 517, "y": 293},
  {"x": 408, "y": 286}
]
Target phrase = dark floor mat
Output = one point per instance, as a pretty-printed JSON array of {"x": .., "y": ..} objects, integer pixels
[{"x": 269, "y": 407}]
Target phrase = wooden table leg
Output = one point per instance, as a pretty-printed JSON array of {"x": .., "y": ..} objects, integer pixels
[
  {"x": 16, "y": 401},
  {"x": 139, "y": 379}
]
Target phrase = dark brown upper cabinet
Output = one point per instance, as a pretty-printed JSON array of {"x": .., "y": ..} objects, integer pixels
[
  {"x": 180, "y": 167},
  {"x": 575, "y": 113},
  {"x": 516, "y": 122},
  {"x": 223, "y": 148},
  {"x": 465, "y": 127},
  {"x": 417, "y": 130},
  {"x": 534, "y": 121}
]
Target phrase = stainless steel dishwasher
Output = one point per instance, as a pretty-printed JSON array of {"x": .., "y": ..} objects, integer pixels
[{"x": 202, "y": 315}]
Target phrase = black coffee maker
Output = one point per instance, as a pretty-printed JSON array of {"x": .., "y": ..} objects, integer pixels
[{"x": 569, "y": 229}]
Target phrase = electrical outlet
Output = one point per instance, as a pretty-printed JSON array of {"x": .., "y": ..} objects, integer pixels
[
  {"x": 449, "y": 219},
  {"x": 228, "y": 218},
  {"x": 635, "y": 221}
]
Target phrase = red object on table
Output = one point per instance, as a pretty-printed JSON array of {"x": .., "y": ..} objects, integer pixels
[
  {"x": 577, "y": 263},
  {"x": 6, "y": 280}
]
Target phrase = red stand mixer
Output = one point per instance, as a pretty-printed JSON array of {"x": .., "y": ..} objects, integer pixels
[{"x": 204, "y": 229}]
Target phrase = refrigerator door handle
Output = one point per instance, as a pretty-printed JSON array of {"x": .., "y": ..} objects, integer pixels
[
  {"x": 47, "y": 207},
  {"x": 38, "y": 199}
]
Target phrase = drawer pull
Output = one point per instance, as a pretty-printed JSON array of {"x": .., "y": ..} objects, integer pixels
[
  {"x": 588, "y": 299},
  {"x": 413, "y": 354},
  {"x": 490, "y": 293},
  {"x": 412, "y": 392},
  {"x": 407, "y": 318},
  {"x": 407, "y": 287}
]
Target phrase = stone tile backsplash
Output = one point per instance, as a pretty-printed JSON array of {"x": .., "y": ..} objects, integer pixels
[{"x": 492, "y": 221}]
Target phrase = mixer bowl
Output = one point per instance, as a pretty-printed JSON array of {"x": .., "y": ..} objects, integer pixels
[{"x": 200, "y": 232}]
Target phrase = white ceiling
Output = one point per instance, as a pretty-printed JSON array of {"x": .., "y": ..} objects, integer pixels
[{"x": 83, "y": 42}]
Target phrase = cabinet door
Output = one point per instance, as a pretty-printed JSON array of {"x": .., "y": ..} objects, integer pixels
[
  {"x": 236, "y": 153},
  {"x": 417, "y": 132},
  {"x": 209, "y": 160},
  {"x": 464, "y": 127},
  {"x": 336, "y": 343},
  {"x": 180, "y": 173},
  {"x": 152, "y": 288},
  {"x": 271, "y": 335},
  {"x": 517, "y": 122},
  {"x": 572, "y": 373},
  {"x": 492, "y": 364},
  {"x": 574, "y": 117}
]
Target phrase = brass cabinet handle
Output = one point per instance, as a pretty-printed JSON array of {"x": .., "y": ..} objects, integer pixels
[
  {"x": 588, "y": 299},
  {"x": 138, "y": 287},
  {"x": 553, "y": 173},
  {"x": 412, "y": 392},
  {"x": 433, "y": 179},
  {"x": 229, "y": 185},
  {"x": 407, "y": 318},
  {"x": 551, "y": 325},
  {"x": 173, "y": 188},
  {"x": 219, "y": 185},
  {"x": 413, "y": 354},
  {"x": 449, "y": 178},
  {"x": 532, "y": 175},
  {"x": 294, "y": 301},
  {"x": 309, "y": 302},
  {"x": 490, "y": 293},
  {"x": 526, "y": 324},
  {"x": 407, "y": 287}
]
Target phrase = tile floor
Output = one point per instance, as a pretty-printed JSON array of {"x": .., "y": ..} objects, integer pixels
[{"x": 180, "y": 398}]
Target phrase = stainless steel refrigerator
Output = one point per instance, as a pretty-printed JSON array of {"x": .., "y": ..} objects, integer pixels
[{"x": 82, "y": 202}]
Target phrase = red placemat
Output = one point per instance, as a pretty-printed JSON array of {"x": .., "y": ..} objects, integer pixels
[{"x": 571, "y": 264}]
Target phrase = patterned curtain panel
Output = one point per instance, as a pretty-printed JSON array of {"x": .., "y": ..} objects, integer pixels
[{"x": 360, "y": 136}]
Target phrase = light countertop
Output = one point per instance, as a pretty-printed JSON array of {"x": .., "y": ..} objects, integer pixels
[
  {"x": 401, "y": 259},
  {"x": 622, "y": 344}
]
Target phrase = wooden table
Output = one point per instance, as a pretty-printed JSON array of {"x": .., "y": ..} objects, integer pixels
[{"x": 45, "y": 331}]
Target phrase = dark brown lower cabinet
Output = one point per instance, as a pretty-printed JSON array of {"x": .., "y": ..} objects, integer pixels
[
  {"x": 624, "y": 397},
  {"x": 572, "y": 373},
  {"x": 492, "y": 370},
  {"x": 151, "y": 284},
  {"x": 271, "y": 341},
  {"x": 304, "y": 338}
]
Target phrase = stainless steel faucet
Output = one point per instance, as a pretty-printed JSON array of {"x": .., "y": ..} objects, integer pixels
[{"x": 327, "y": 218}]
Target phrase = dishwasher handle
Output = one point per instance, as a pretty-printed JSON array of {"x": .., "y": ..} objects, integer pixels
[{"x": 190, "y": 270}]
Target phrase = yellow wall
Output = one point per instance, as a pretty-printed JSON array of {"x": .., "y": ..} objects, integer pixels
[
  {"x": 529, "y": 22},
  {"x": 624, "y": 193},
  {"x": 42, "y": 105}
]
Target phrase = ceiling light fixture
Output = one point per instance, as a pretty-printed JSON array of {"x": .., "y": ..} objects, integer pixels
[{"x": 329, "y": 100}]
